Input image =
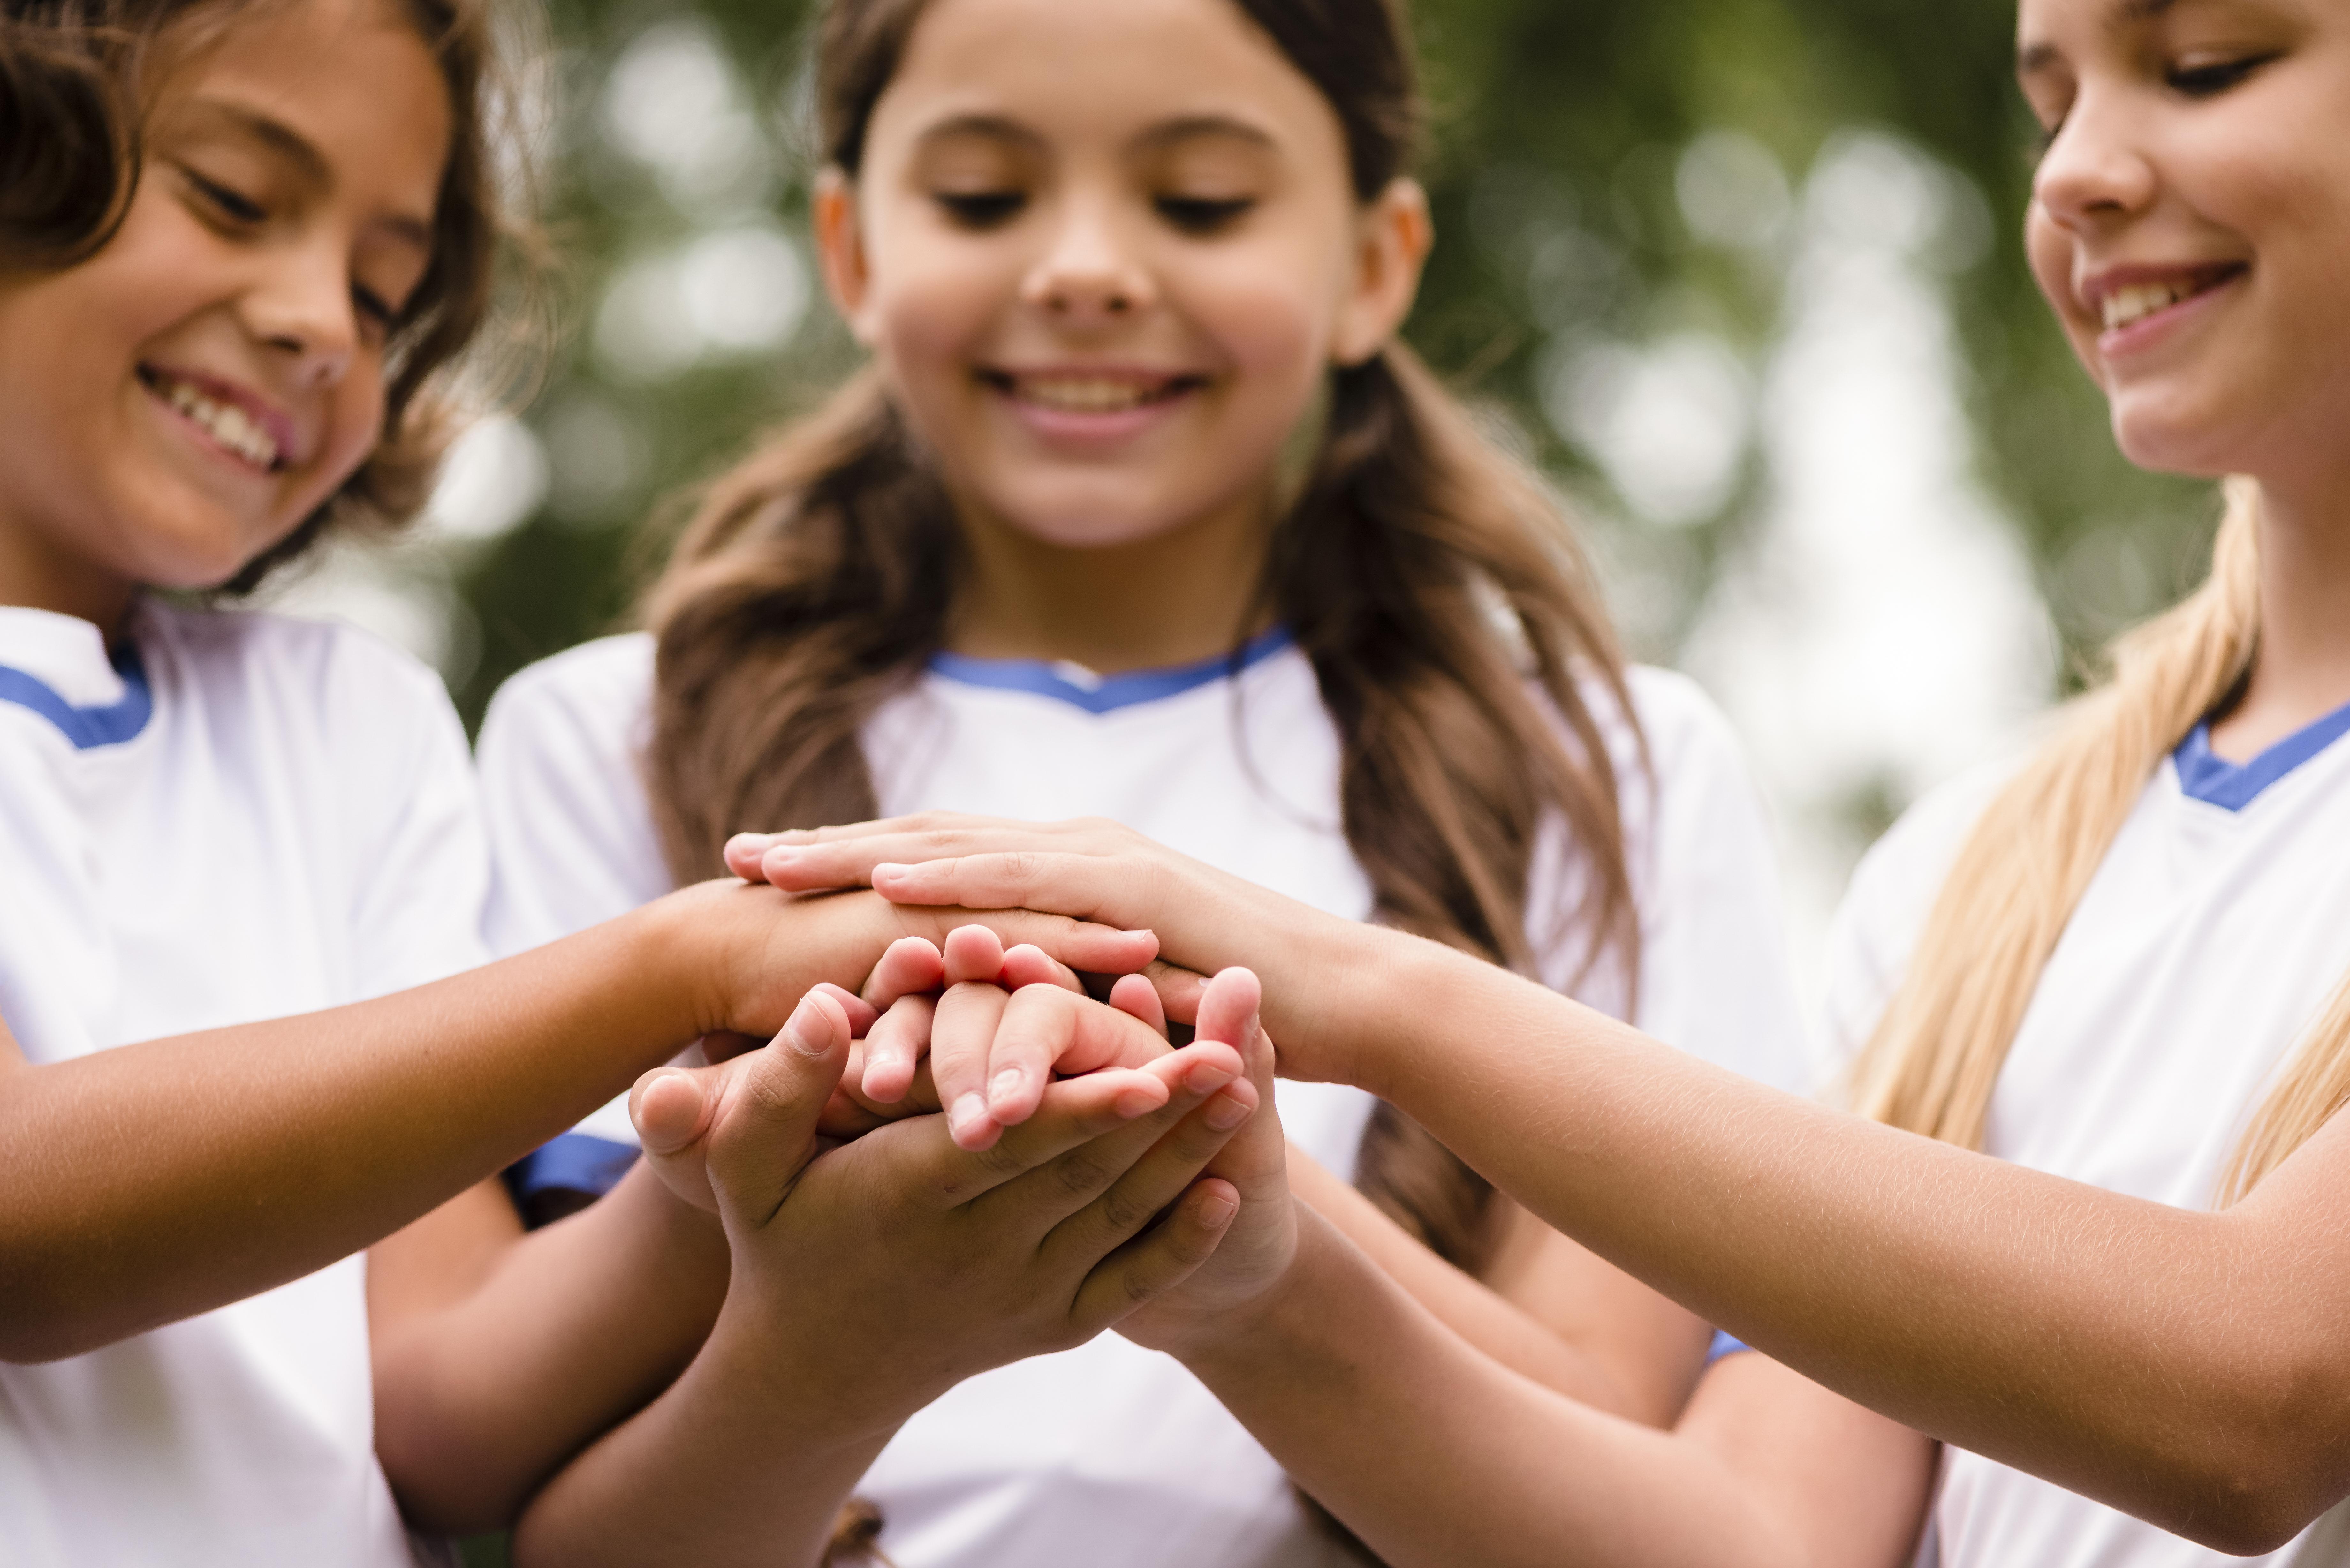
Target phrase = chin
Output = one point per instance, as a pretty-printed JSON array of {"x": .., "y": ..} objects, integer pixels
[{"x": 2162, "y": 437}]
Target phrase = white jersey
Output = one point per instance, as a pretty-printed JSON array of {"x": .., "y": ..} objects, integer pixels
[
  {"x": 2201, "y": 955},
  {"x": 239, "y": 818},
  {"x": 1110, "y": 1453}
]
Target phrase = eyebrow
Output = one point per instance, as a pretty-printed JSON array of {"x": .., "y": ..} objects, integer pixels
[
  {"x": 1198, "y": 125},
  {"x": 310, "y": 164}
]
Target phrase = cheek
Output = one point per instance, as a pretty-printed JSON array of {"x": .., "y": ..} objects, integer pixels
[{"x": 2050, "y": 251}]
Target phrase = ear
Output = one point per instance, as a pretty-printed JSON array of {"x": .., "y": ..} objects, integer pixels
[
  {"x": 1391, "y": 240},
  {"x": 840, "y": 249}
]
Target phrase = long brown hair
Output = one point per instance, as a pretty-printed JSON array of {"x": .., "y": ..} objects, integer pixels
[
  {"x": 1935, "y": 1059},
  {"x": 78, "y": 79},
  {"x": 1443, "y": 604}
]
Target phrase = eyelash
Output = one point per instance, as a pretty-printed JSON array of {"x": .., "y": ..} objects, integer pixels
[
  {"x": 981, "y": 209},
  {"x": 233, "y": 204},
  {"x": 2209, "y": 81},
  {"x": 1202, "y": 214}
]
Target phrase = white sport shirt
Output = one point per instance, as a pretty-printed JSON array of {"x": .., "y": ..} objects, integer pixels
[
  {"x": 1110, "y": 1453},
  {"x": 2201, "y": 955},
  {"x": 245, "y": 817}
]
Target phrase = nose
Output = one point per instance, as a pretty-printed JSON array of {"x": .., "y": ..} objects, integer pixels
[
  {"x": 300, "y": 305},
  {"x": 2096, "y": 169},
  {"x": 1087, "y": 276}
]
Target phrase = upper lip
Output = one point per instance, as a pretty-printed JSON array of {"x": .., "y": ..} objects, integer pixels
[
  {"x": 259, "y": 410},
  {"x": 1132, "y": 375},
  {"x": 2094, "y": 288}
]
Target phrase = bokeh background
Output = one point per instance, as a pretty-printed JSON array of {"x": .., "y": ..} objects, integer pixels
[{"x": 1742, "y": 276}]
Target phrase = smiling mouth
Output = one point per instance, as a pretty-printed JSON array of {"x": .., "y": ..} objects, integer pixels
[
  {"x": 230, "y": 428},
  {"x": 2129, "y": 305},
  {"x": 1091, "y": 394}
]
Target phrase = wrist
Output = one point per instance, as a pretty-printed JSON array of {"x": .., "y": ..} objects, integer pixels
[
  {"x": 808, "y": 1388},
  {"x": 1237, "y": 1346}
]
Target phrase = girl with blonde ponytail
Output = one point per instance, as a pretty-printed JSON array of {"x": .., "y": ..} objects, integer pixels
[
  {"x": 2074, "y": 1289},
  {"x": 1143, "y": 511}
]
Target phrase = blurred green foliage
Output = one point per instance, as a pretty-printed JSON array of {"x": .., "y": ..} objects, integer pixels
[{"x": 1561, "y": 126}]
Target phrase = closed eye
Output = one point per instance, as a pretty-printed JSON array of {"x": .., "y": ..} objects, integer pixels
[
  {"x": 2211, "y": 80},
  {"x": 1203, "y": 214},
  {"x": 373, "y": 306},
  {"x": 981, "y": 209},
  {"x": 229, "y": 202}
]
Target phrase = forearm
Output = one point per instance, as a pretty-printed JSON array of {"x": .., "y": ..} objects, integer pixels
[
  {"x": 1463, "y": 1303},
  {"x": 578, "y": 1325},
  {"x": 156, "y": 1180},
  {"x": 2171, "y": 1362},
  {"x": 1437, "y": 1456},
  {"x": 738, "y": 1461}
]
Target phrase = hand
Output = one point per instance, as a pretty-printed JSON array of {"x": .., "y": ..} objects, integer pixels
[
  {"x": 1259, "y": 1246},
  {"x": 1204, "y": 919},
  {"x": 870, "y": 1277},
  {"x": 747, "y": 955}
]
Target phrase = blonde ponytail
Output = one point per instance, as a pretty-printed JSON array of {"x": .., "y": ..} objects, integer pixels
[{"x": 1936, "y": 1055}]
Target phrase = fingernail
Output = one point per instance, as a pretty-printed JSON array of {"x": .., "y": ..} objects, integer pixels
[
  {"x": 1135, "y": 1103},
  {"x": 799, "y": 1034},
  {"x": 968, "y": 1113},
  {"x": 1206, "y": 1080},
  {"x": 1006, "y": 1086},
  {"x": 1217, "y": 1212},
  {"x": 890, "y": 868},
  {"x": 1224, "y": 1112}
]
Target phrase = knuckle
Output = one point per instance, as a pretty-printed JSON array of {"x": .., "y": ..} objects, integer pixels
[{"x": 1081, "y": 1173}]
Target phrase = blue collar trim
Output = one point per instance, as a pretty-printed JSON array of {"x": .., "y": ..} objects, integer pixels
[
  {"x": 88, "y": 727},
  {"x": 2218, "y": 781},
  {"x": 1067, "y": 683}
]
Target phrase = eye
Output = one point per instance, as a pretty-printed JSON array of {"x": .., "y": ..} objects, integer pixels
[
  {"x": 1203, "y": 214},
  {"x": 226, "y": 201},
  {"x": 2211, "y": 80},
  {"x": 981, "y": 209},
  {"x": 373, "y": 306}
]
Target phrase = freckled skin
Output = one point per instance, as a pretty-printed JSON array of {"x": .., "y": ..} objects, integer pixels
[{"x": 105, "y": 488}]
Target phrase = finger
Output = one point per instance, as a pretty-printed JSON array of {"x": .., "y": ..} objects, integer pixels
[
  {"x": 862, "y": 1014},
  {"x": 1228, "y": 1008},
  {"x": 1045, "y": 1031},
  {"x": 1028, "y": 964},
  {"x": 1155, "y": 1263},
  {"x": 763, "y": 1128},
  {"x": 1155, "y": 1180},
  {"x": 1082, "y": 886},
  {"x": 670, "y": 1107},
  {"x": 1137, "y": 998},
  {"x": 973, "y": 952},
  {"x": 743, "y": 852},
  {"x": 962, "y": 1030},
  {"x": 1046, "y": 1197},
  {"x": 1078, "y": 1111},
  {"x": 1080, "y": 944},
  {"x": 894, "y": 1047},
  {"x": 907, "y": 965}
]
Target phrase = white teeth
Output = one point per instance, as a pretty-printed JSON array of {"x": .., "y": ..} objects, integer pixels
[
  {"x": 226, "y": 423},
  {"x": 1083, "y": 396},
  {"x": 2126, "y": 305}
]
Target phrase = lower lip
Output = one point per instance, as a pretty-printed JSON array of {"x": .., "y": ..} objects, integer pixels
[
  {"x": 1090, "y": 427},
  {"x": 2150, "y": 332}
]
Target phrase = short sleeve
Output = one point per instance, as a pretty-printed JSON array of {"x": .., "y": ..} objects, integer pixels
[
  {"x": 571, "y": 834},
  {"x": 1715, "y": 978},
  {"x": 420, "y": 856}
]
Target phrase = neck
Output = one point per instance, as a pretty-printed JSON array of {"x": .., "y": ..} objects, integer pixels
[
  {"x": 1180, "y": 595},
  {"x": 2303, "y": 669},
  {"x": 36, "y": 576}
]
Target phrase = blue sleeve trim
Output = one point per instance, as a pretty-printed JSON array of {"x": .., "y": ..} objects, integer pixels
[
  {"x": 575, "y": 1162},
  {"x": 1723, "y": 1346}
]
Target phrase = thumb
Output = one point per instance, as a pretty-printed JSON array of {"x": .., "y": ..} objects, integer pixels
[
  {"x": 763, "y": 1128},
  {"x": 692, "y": 1121}
]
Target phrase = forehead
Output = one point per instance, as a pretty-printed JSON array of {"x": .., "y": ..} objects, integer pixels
[
  {"x": 1124, "y": 70},
  {"x": 2048, "y": 29},
  {"x": 345, "y": 93}
]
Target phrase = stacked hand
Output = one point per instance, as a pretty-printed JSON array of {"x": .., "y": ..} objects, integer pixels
[{"x": 1086, "y": 1168}]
